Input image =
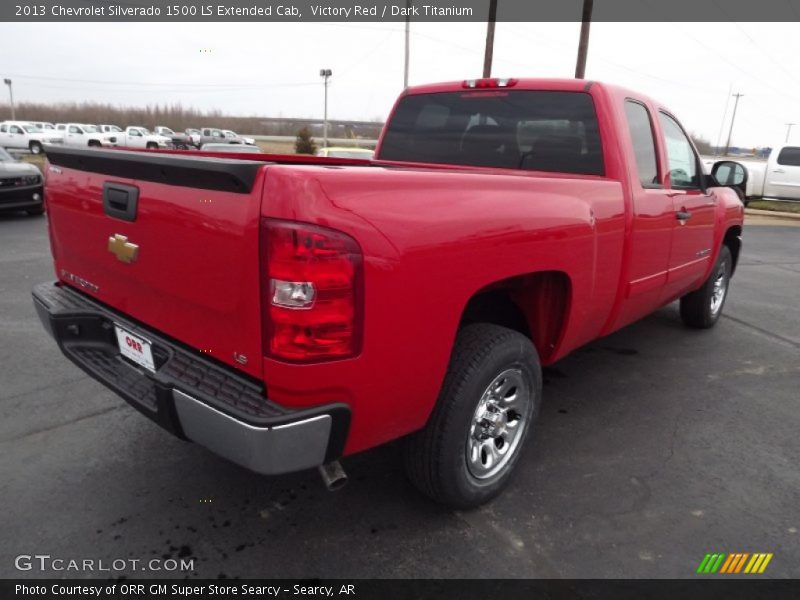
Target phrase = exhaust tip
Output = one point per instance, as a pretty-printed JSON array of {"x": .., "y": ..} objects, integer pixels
[{"x": 333, "y": 476}]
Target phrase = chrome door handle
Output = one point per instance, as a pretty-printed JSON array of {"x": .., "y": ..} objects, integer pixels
[{"x": 778, "y": 171}]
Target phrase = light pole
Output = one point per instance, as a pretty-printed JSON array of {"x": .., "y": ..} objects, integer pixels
[
  {"x": 325, "y": 73},
  {"x": 489, "y": 50},
  {"x": 583, "y": 44},
  {"x": 733, "y": 118},
  {"x": 11, "y": 95},
  {"x": 408, "y": 40},
  {"x": 789, "y": 131}
]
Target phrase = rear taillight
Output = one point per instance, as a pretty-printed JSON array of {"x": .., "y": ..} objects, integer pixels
[{"x": 311, "y": 292}]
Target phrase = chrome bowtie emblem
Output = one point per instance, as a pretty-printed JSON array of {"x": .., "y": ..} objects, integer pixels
[{"x": 120, "y": 247}]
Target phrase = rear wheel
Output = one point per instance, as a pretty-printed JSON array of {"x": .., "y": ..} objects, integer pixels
[
  {"x": 94, "y": 144},
  {"x": 152, "y": 146},
  {"x": 467, "y": 452},
  {"x": 702, "y": 308},
  {"x": 36, "y": 148}
]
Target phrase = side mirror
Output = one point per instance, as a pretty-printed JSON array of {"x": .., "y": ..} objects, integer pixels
[{"x": 731, "y": 174}]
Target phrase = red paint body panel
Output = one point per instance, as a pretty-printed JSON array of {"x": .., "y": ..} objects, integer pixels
[{"x": 432, "y": 236}]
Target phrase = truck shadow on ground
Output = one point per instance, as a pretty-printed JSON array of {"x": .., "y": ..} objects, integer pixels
[{"x": 233, "y": 523}]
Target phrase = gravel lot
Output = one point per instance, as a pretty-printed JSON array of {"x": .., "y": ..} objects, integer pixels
[{"x": 655, "y": 445}]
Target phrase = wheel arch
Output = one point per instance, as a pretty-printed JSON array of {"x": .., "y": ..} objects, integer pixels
[
  {"x": 535, "y": 304},
  {"x": 733, "y": 240}
]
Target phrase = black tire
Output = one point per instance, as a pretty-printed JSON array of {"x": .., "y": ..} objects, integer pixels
[
  {"x": 35, "y": 212},
  {"x": 702, "y": 308},
  {"x": 436, "y": 457},
  {"x": 36, "y": 147},
  {"x": 151, "y": 146},
  {"x": 94, "y": 144}
]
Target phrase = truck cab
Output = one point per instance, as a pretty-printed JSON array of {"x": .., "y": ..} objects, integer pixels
[
  {"x": 21, "y": 135},
  {"x": 82, "y": 135},
  {"x": 140, "y": 137},
  {"x": 782, "y": 177}
]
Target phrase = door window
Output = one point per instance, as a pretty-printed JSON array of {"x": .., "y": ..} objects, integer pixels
[
  {"x": 680, "y": 155},
  {"x": 15, "y": 129},
  {"x": 643, "y": 141},
  {"x": 790, "y": 157},
  {"x": 74, "y": 129}
]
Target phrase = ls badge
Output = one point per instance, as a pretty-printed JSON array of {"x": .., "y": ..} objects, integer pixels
[{"x": 120, "y": 247}]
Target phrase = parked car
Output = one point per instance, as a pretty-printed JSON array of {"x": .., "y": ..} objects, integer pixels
[
  {"x": 231, "y": 148},
  {"x": 116, "y": 129},
  {"x": 778, "y": 178},
  {"x": 44, "y": 126},
  {"x": 180, "y": 141},
  {"x": 20, "y": 185},
  {"x": 21, "y": 135},
  {"x": 232, "y": 135},
  {"x": 209, "y": 135},
  {"x": 301, "y": 313},
  {"x": 140, "y": 137},
  {"x": 81, "y": 135},
  {"x": 343, "y": 152}
]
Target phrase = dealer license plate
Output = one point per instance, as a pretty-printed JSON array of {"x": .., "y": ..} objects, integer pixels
[{"x": 135, "y": 348}]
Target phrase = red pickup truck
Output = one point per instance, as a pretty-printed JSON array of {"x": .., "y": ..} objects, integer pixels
[{"x": 285, "y": 311}]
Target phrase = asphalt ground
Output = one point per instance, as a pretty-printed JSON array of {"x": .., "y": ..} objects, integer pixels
[{"x": 655, "y": 446}]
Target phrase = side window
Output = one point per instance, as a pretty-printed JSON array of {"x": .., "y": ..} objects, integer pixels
[
  {"x": 3, "y": 128},
  {"x": 790, "y": 157},
  {"x": 15, "y": 129},
  {"x": 644, "y": 145},
  {"x": 680, "y": 155},
  {"x": 74, "y": 129}
]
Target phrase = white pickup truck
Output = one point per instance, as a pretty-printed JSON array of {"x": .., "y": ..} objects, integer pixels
[
  {"x": 21, "y": 135},
  {"x": 777, "y": 178},
  {"x": 140, "y": 137},
  {"x": 81, "y": 135}
]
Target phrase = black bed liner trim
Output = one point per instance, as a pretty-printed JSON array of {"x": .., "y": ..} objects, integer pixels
[{"x": 201, "y": 172}]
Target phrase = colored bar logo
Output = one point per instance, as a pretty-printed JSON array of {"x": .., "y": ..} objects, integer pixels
[{"x": 738, "y": 562}]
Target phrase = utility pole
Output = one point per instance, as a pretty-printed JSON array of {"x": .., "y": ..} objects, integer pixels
[
  {"x": 733, "y": 118},
  {"x": 11, "y": 95},
  {"x": 789, "y": 131},
  {"x": 583, "y": 44},
  {"x": 487, "y": 57},
  {"x": 325, "y": 73},
  {"x": 408, "y": 40}
]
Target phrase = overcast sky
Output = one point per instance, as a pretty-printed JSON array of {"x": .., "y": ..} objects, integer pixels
[{"x": 273, "y": 69}]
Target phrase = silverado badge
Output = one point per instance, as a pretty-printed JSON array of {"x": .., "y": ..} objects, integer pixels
[{"x": 119, "y": 246}]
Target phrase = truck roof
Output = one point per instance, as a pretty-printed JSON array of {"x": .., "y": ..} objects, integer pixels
[{"x": 545, "y": 84}]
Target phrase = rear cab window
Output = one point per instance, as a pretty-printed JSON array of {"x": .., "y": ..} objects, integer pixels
[
  {"x": 513, "y": 129},
  {"x": 640, "y": 128}
]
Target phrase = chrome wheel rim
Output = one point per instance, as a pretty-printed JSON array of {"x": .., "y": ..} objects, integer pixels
[
  {"x": 719, "y": 290},
  {"x": 498, "y": 424}
]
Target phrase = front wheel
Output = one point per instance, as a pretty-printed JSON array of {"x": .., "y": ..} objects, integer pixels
[
  {"x": 36, "y": 148},
  {"x": 702, "y": 308},
  {"x": 467, "y": 452}
]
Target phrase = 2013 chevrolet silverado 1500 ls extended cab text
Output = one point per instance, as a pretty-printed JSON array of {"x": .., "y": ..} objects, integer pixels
[{"x": 285, "y": 311}]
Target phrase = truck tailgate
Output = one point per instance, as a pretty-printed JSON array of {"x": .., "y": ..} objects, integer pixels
[{"x": 169, "y": 240}]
